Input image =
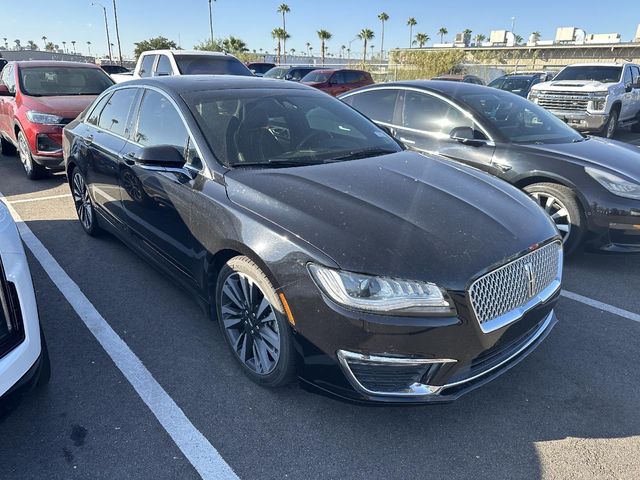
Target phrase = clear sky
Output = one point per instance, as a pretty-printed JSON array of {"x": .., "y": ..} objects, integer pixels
[{"x": 186, "y": 21}]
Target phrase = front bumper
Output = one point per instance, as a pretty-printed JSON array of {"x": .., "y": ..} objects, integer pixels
[
  {"x": 45, "y": 142},
  {"x": 583, "y": 121},
  {"x": 613, "y": 223}
]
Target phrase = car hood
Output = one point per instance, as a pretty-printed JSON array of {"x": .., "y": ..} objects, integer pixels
[
  {"x": 574, "y": 85},
  {"x": 611, "y": 155},
  {"x": 69, "y": 106},
  {"x": 403, "y": 215}
]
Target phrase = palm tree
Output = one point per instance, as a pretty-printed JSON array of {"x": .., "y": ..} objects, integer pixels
[
  {"x": 6, "y": 45},
  {"x": 44, "y": 42},
  {"x": 365, "y": 35},
  {"x": 535, "y": 36},
  {"x": 422, "y": 38},
  {"x": 293, "y": 52},
  {"x": 383, "y": 17},
  {"x": 64, "y": 46},
  {"x": 17, "y": 42},
  {"x": 519, "y": 39},
  {"x": 279, "y": 34},
  {"x": 32, "y": 45},
  {"x": 89, "y": 47},
  {"x": 466, "y": 35},
  {"x": 324, "y": 37},
  {"x": 284, "y": 9},
  {"x": 411, "y": 23},
  {"x": 480, "y": 38},
  {"x": 73, "y": 42},
  {"x": 308, "y": 46},
  {"x": 342, "y": 49},
  {"x": 442, "y": 32}
]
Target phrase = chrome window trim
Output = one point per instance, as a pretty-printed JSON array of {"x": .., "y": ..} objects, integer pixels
[{"x": 490, "y": 141}]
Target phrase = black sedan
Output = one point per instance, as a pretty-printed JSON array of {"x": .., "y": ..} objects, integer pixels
[
  {"x": 322, "y": 248},
  {"x": 589, "y": 186},
  {"x": 518, "y": 83}
]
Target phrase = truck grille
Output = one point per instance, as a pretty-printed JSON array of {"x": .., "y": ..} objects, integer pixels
[
  {"x": 505, "y": 290},
  {"x": 565, "y": 101}
]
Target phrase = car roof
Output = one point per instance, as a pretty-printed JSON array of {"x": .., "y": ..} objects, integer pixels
[
  {"x": 54, "y": 63},
  {"x": 445, "y": 87},
  {"x": 597, "y": 64},
  {"x": 194, "y": 83},
  {"x": 187, "y": 52}
]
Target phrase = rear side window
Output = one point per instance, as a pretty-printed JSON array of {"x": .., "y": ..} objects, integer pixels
[
  {"x": 116, "y": 111},
  {"x": 339, "y": 77},
  {"x": 164, "y": 66},
  {"x": 147, "y": 65},
  {"x": 211, "y": 65},
  {"x": 378, "y": 105},
  {"x": 159, "y": 123}
]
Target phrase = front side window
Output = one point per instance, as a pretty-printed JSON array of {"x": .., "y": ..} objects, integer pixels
[
  {"x": 116, "y": 111},
  {"x": 94, "y": 115},
  {"x": 378, "y": 105},
  {"x": 591, "y": 73},
  {"x": 147, "y": 65},
  {"x": 9, "y": 79},
  {"x": 635, "y": 71},
  {"x": 284, "y": 129},
  {"x": 277, "y": 73},
  {"x": 628, "y": 78},
  {"x": 519, "y": 120},
  {"x": 317, "y": 77},
  {"x": 159, "y": 123},
  {"x": 63, "y": 81},
  {"x": 164, "y": 66},
  {"x": 339, "y": 78},
  {"x": 431, "y": 114}
]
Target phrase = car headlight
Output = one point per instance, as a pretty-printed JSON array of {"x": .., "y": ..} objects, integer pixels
[
  {"x": 377, "y": 294},
  {"x": 599, "y": 100},
  {"x": 533, "y": 96},
  {"x": 616, "y": 185},
  {"x": 43, "y": 118}
]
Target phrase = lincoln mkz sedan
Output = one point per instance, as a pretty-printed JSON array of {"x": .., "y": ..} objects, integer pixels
[
  {"x": 589, "y": 186},
  {"x": 324, "y": 250}
]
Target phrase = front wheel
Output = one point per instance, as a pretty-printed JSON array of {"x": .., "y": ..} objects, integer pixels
[
  {"x": 561, "y": 204},
  {"x": 253, "y": 323},
  {"x": 83, "y": 203},
  {"x": 611, "y": 127},
  {"x": 33, "y": 170}
]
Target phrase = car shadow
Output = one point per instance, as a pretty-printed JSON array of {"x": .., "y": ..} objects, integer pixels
[{"x": 11, "y": 169}]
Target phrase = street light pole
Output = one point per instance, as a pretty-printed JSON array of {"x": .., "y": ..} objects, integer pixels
[
  {"x": 115, "y": 16},
  {"x": 106, "y": 26},
  {"x": 211, "y": 21}
]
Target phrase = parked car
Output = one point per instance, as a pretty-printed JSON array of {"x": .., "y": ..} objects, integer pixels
[
  {"x": 24, "y": 359},
  {"x": 289, "y": 73},
  {"x": 111, "y": 69},
  {"x": 590, "y": 187},
  {"x": 460, "y": 78},
  {"x": 322, "y": 248},
  {"x": 518, "y": 83},
  {"x": 260, "y": 68},
  {"x": 37, "y": 98},
  {"x": 163, "y": 63},
  {"x": 593, "y": 97},
  {"x": 335, "y": 82}
]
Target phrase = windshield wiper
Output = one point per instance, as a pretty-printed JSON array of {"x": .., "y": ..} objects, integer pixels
[
  {"x": 279, "y": 162},
  {"x": 364, "y": 153}
]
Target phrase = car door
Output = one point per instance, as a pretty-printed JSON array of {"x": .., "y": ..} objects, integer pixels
[
  {"x": 635, "y": 72},
  {"x": 426, "y": 122},
  {"x": 157, "y": 201},
  {"x": 104, "y": 135},
  {"x": 627, "y": 111},
  {"x": 8, "y": 103}
]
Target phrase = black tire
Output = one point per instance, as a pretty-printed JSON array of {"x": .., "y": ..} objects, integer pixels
[
  {"x": 45, "y": 364},
  {"x": 33, "y": 170},
  {"x": 6, "y": 147},
  {"x": 85, "y": 210},
  {"x": 611, "y": 127},
  {"x": 566, "y": 198},
  {"x": 284, "y": 369}
]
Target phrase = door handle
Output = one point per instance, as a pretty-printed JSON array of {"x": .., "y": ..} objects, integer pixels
[
  {"x": 129, "y": 158},
  {"x": 503, "y": 167},
  {"x": 407, "y": 141},
  {"x": 88, "y": 139}
]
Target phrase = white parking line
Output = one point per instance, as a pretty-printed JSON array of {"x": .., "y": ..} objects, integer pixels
[
  {"x": 196, "y": 448},
  {"x": 37, "y": 199},
  {"x": 601, "y": 306}
]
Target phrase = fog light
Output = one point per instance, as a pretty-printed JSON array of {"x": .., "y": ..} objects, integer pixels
[{"x": 46, "y": 143}]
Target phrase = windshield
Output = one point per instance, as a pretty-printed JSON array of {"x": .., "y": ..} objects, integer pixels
[
  {"x": 210, "y": 65},
  {"x": 512, "y": 84},
  {"x": 519, "y": 120},
  {"x": 594, "y": 73},
  {"x": 284, "y": 128},
  {"x": 60, "y": 81},
  {"x": 277, "y": 72},
  {"x": 316, "y": 77}
]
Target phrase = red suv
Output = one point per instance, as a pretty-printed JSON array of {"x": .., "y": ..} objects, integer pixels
[
  {"x": 37, "y": 99},
  {"x": 335, "y": 82}
]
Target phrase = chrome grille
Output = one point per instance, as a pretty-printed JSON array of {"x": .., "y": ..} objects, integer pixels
[
  {"x": 505, "y": 290},
  {"x": 565, "y": 101}
]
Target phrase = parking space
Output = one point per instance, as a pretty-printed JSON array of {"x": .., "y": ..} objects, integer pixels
[{"x": 569, "y": 411}]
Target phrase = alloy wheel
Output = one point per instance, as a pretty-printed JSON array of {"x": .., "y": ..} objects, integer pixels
[
  {"x": 82, "y": 201},
  {"x": 25, "y": 154},
  {"x": 250, "y": 323},
  {"x": 556, "y": 210}
]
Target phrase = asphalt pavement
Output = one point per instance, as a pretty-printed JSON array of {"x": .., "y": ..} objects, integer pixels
[{"x": 570, "y": 410}]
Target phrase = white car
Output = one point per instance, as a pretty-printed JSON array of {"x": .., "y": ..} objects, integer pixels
[
  {"x": 162, "y": 63},
  {"x": 593, "y": 97},
  {"x": 24, "y": 360}
]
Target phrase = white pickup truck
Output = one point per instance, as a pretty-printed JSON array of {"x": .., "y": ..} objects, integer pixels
[
  {"x": 159, "y": 63},
  {"x": 593, "y": 97}
]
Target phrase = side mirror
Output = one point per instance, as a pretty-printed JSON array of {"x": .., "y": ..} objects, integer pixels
[
  {"x": 466, "y": 135},
  {"x": 163, "y": 156},
  {"x": 628, "y": 88},
  {"x": 4, "y": 91}
]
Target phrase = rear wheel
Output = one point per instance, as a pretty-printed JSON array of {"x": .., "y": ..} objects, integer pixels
[
  {"x": 253, "y": 323},
  {"x": 6, "y": 147},
  {"x": 83, "y": 203},
  {"x": 33, "y": 170},
  {"x": 561, "y": 204}
]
